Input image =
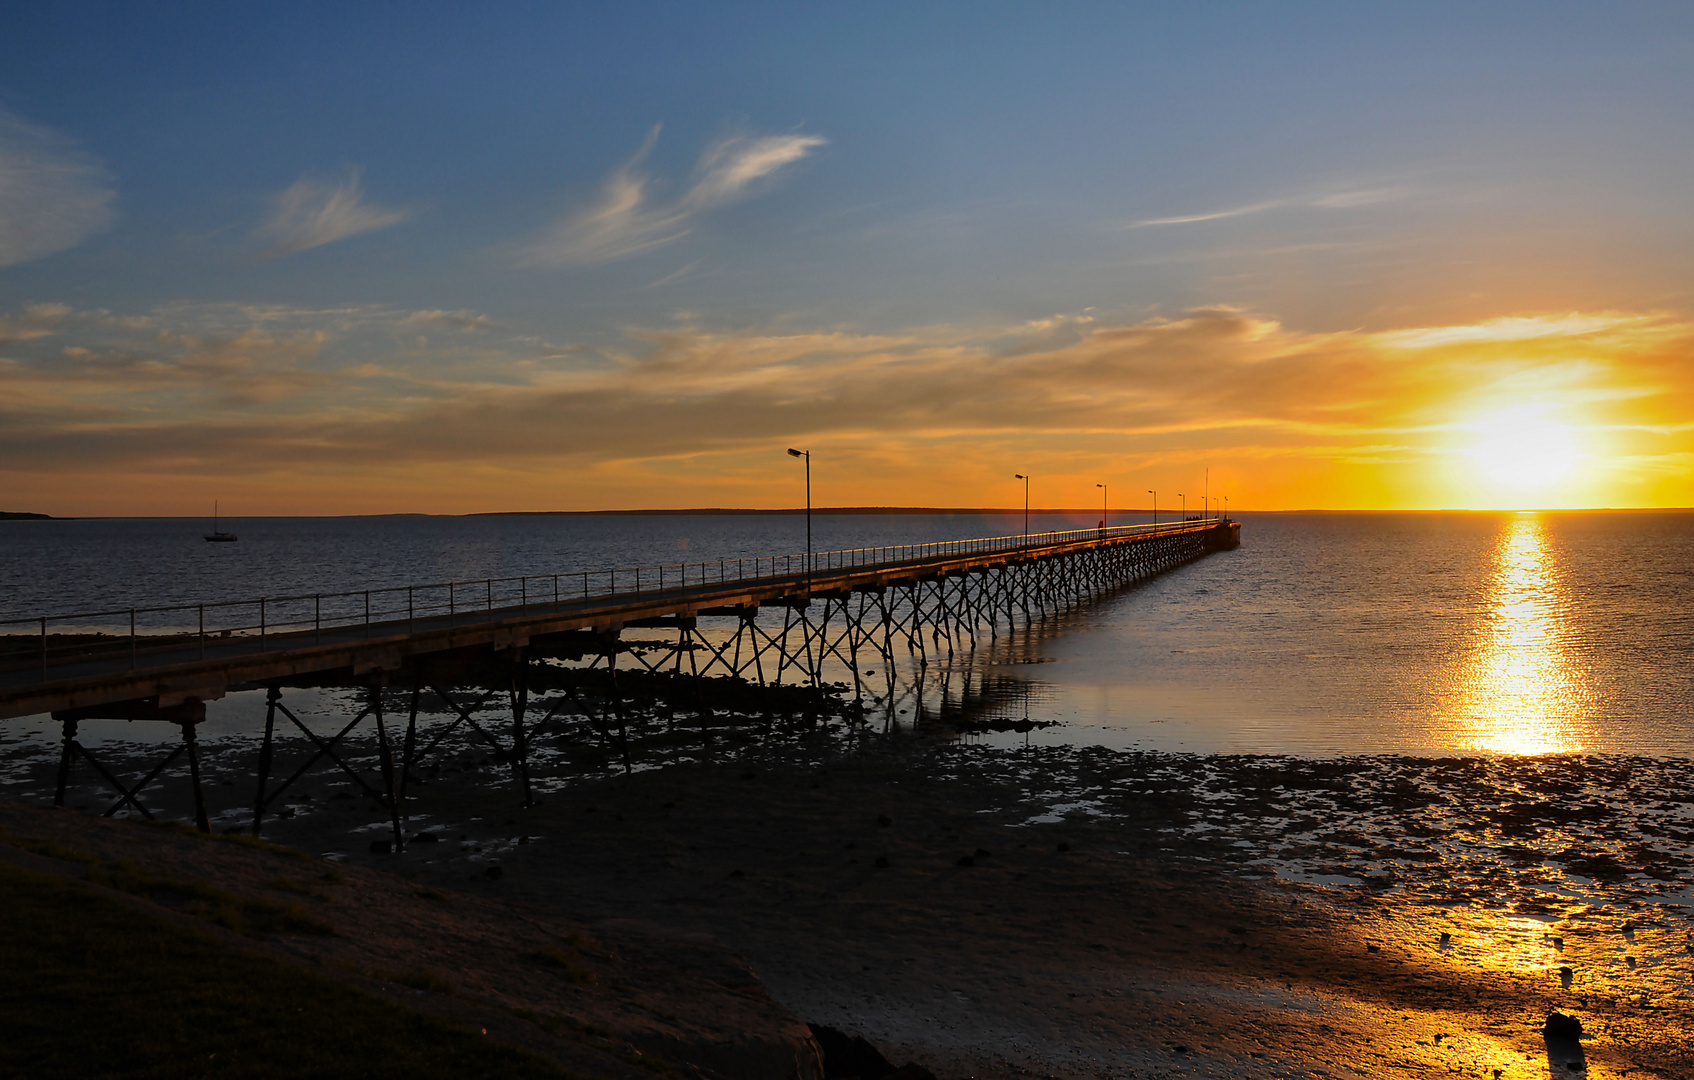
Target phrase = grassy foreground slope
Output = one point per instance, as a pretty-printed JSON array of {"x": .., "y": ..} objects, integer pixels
[{"x": 95, "y": 988}]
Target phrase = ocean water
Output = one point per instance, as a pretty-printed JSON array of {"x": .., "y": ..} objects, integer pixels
[
  {"x": 1324, "y": 634},
  {"x": 1428, "y": 634}
]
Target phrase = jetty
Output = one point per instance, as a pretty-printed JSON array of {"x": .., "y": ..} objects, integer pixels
[{"x": 795, "y": 620}]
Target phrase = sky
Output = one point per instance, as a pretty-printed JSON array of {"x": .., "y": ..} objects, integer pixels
[{"x": 329, "y": 259}]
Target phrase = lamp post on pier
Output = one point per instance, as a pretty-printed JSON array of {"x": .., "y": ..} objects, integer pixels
[
  {"x": 807, "y": 454},
  {"x": 1025, "y": 479},
  {"x": 1104, "y": 512},
  {"x": 1155, "y": 495},
  {"x": 1184, "y": 499}
]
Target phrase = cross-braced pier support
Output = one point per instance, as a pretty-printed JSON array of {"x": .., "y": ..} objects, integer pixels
[
  {"x": 186, "y": 716},
  {"x": 858, "y": 630}
]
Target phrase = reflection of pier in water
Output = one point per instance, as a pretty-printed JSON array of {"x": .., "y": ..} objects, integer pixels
[{"x": 868, "y": 635}]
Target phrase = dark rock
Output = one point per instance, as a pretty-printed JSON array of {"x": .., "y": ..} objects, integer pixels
[
  {"x": 494, "y": 873},
  {"x": 984, "y": 853},
  {"x": 749, "y": 776},
  {"x": 1566, "y": 976},
  {"x": 882, "y": 862},
  {"x": 1373, "y": 948},
  {"x": 523, "y": 839},
  {"x": 1064, "y": 846},
  {"x": 381, "y": 847},
  {"x": 1560, "y": 1026},
  {"x": 966, "y": 860},
  {"x": 884, "y": 820},
  {"x": 911, "y": 1070},
  {"x": 738, "y": 873},
  {"x": 427, "y": 838},
  {"x": 847, "y": 1055}
]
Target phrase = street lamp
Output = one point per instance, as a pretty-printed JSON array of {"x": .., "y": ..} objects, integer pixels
[
  {"x": 1025, "y": 479},
  {"x": 1155, "y": 495},
  {"x": 807, "y": 454},
  {"x": 1226, "y": 507},
  {"x": 1103, "y": 505},
  {"x": 1184, "y": 499}
]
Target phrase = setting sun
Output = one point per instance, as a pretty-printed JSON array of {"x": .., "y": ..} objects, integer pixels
[{"x": 1525, "y": 449}]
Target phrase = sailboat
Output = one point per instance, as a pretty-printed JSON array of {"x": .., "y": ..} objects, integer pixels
[{"x": 217, "y": 535}]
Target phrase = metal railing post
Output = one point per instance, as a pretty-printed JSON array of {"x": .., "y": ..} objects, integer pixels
[
  {"x": 367, "y": 613},
  {"x": 132, "y": 639},
  {"x": 409, "y": 609},
  {"x": 261, "y": 624},
  {"x": 44, "y": 648},
  {"x": 202, "y": 631}
]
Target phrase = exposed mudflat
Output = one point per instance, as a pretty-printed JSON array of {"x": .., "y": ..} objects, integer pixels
[{"x": 1075, "y": 912}]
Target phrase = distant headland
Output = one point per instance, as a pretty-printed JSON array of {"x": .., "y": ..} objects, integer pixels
[{"x": 11, "y": 515}]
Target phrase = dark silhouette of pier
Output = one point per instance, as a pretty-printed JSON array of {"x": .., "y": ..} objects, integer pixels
[{"x": 796, "y": 620}]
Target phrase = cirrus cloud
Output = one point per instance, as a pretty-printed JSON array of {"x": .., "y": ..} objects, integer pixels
[
  {"x": 53, "y": 195},
  {"x": 627, "y": 220},
  {"x": 309, "y": 214}
]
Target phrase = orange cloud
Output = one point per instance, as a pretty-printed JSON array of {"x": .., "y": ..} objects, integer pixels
[{"x": 343, "y": 418}]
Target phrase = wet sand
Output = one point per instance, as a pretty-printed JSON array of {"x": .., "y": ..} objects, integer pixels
[{"x": 1083, "y": 913}]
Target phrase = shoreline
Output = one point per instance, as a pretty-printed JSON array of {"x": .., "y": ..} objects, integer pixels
[{"x": 1153, "y": 931}]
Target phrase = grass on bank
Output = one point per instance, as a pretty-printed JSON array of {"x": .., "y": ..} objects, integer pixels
[{"x": 92, "y": 988}]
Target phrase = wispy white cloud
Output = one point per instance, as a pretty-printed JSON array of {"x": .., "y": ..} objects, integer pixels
[
  {"x": 310, "y": 214},
  {"x": 1335, "y": 200},
  {"x": 53, "y": 195},
  {"x": 468, "y": 321},
  {"x": 626, "y": 220},
  {"x": 1345, "y": 200},
  {"x": 1215, "y": 215},
  {"x": 1519, "y": 328},
  {"x": 676, "y": 275}
]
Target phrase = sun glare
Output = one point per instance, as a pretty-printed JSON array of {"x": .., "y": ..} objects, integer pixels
[
  {"x": 1521, "y": 691},
  {"x": 1525, "y": 449}
]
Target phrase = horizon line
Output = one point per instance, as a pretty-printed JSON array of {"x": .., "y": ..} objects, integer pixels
[{"x": 984, "y": 511}]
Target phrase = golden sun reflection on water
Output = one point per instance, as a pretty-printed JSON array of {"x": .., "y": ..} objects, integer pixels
[{"x": 1520, "y": 692}]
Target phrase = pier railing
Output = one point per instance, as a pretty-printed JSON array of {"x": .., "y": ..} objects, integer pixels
[{"x": 45, "y": 642}]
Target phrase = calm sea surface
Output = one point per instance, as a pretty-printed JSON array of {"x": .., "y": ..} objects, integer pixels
[{"x": 1323, "y": 634}]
